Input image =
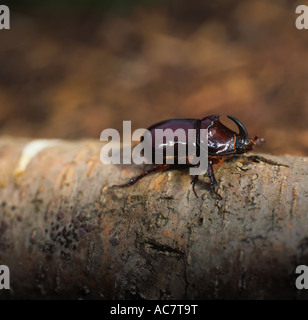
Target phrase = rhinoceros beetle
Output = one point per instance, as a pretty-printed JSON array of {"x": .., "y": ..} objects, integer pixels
[{"x": 222, "y": 142}]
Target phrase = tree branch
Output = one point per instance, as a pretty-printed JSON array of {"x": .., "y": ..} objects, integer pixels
[{"x": 65, "y": 234}]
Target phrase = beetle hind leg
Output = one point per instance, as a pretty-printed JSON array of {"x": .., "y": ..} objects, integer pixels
[{"x": 156, "y": 168}]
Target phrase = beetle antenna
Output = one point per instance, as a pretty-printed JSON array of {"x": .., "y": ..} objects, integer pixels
[{"x": 242, "y": 130}]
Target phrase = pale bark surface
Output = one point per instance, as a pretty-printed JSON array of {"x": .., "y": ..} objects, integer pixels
[{"x": 65, "y": 234}]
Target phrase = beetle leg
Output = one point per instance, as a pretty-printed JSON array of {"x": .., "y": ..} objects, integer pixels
[
  {"x": 193, "y": 182},
  {"x": 132, "y": 181},
  {"x": 210, "y": 173},
  {"x": 256, "y": 158},
  {"x": 213, "y": 182}
]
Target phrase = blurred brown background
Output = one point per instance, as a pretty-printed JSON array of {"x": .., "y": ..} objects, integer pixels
[{"x": 71, "y": 69}]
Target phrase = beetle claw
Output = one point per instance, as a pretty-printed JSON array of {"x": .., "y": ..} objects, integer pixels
[
  {"x": 216, "y": 193},
  {"x": 214, "y": 184},
  {"x": 193, "y": 183}
]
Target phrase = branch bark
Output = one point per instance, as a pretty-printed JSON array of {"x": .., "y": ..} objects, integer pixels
[{"x": 65, "y": 234}]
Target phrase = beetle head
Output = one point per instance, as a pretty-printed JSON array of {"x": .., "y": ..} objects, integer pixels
[{"x": 243, "y": 143}]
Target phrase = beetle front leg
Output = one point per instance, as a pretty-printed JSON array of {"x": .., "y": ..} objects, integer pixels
[{"x": 256, "y": 158}]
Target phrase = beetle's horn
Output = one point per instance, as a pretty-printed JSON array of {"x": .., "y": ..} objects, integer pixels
[{"x": 243, "y": 132}]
